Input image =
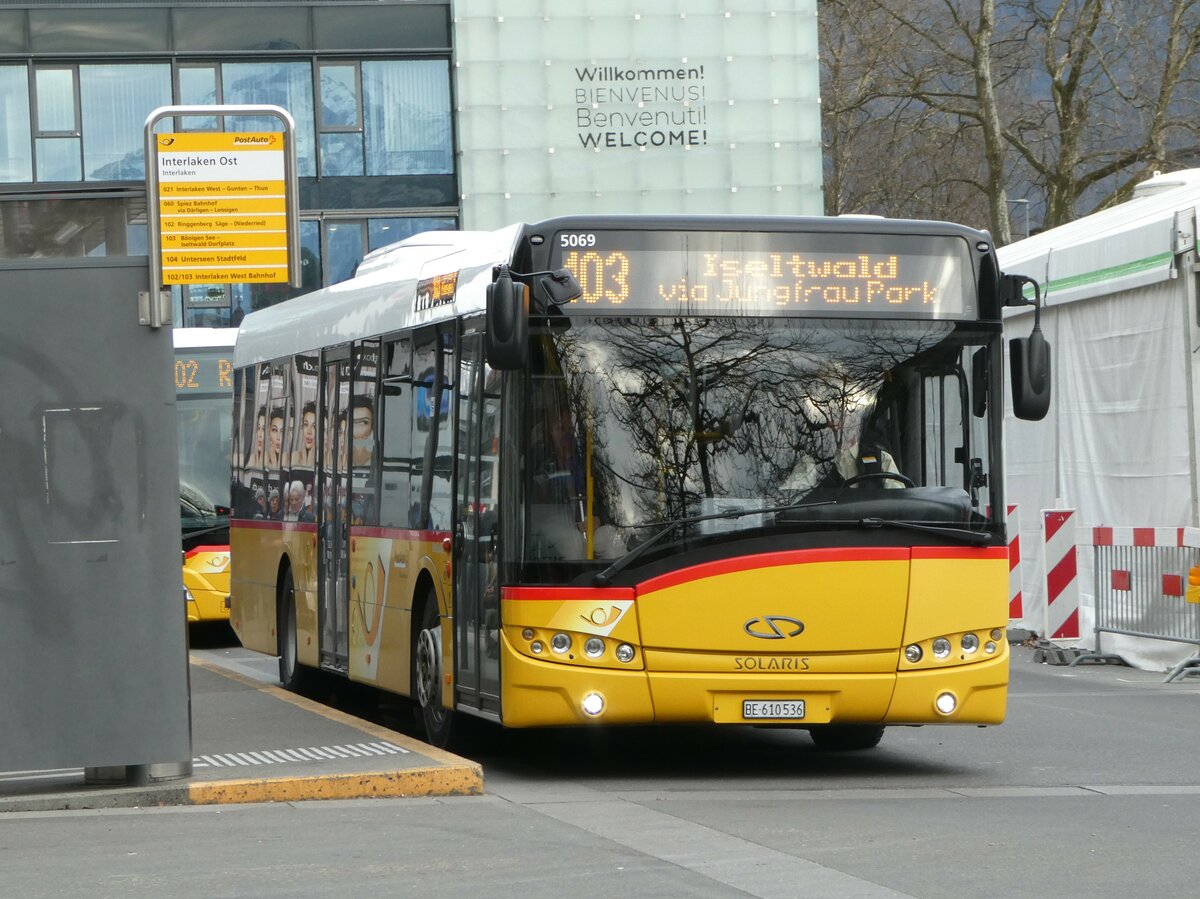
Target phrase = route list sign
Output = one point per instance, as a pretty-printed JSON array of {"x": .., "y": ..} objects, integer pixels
[{"x": 222, "y": 206}]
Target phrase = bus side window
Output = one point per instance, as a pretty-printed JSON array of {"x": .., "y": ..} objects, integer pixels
[{"x": 395, "y": 411}]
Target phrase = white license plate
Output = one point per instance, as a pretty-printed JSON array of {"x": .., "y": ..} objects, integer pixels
[{"x": 773, "y": 708}]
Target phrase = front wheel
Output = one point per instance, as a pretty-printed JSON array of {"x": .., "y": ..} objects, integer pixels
[
  {"x": 846, "y": 737},
  {"x": 436, "y": 718}
]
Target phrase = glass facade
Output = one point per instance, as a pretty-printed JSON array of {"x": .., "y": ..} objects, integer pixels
[{"x": 374, "y": 135}]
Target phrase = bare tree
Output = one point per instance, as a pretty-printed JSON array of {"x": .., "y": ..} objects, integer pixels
[{"x": 1067, "y": 104}]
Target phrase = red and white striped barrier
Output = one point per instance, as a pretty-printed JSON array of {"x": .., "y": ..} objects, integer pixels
[
  {"x": 1062, "y": 574},
  {"x": 1015, "y": 604},
  {"x": 1171, "y": 538}
]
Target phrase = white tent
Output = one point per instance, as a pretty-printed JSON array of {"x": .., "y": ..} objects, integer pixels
[{"x": 1119, "y": 444}]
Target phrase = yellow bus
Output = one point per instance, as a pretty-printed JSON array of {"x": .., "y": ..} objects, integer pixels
[
  {"x": 636, "y": 469},
  {"x": 203, "y": 403}
]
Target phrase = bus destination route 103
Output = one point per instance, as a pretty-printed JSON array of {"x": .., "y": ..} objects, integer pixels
[{"x": 784, "y": 273}]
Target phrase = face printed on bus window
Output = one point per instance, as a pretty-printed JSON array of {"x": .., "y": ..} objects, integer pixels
[
  {"x": 260, "y": 432},
  {"x": 276, "y": 436},
  {"x": 308, "y": 428}
]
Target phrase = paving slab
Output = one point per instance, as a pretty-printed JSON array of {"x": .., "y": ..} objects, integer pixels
[{"x": 255, "y": 742}]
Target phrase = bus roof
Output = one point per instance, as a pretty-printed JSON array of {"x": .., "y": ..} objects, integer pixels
[
  {"x": 199, "y": 338},
  {"x": 381, "y": 296}
]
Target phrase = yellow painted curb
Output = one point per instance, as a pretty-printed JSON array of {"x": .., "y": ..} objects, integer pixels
[
  {"x": 453, "y": 775},
  {"x": 377, "y": 785}
]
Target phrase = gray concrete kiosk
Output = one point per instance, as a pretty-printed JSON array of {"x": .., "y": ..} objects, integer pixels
[{"x": 93, "y": 643}]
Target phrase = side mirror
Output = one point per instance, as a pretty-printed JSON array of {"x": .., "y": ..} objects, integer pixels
[
  {"x": 979, "y": 382},
  {"x": 506, "y": 338},
  {"x": 1029, "y": 357}
]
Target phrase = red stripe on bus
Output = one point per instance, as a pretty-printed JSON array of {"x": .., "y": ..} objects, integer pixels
[
  {"x": 960, "y": 552},
  {"x": 259, "y": 524},
  {"x": 398, "y": 533},
  {"x": 560, "y": 594},
  {"x": 195, "y": 550},
  {"x": 774, "y": 560}
]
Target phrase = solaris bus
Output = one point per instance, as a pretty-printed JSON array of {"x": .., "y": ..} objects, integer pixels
[{"x": 641, "y": 469}]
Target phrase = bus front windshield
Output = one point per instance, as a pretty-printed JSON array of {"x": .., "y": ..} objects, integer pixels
[
  {"x": 711, "y": 427},
  {"x": 204, "y": 426}
]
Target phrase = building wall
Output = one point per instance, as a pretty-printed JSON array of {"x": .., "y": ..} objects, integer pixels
[
  {"x": 367, "y": 83},
  {"x": 678, "y": 106}
]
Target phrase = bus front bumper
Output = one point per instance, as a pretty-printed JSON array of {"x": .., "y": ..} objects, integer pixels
[{"x": 538, "y": 693}]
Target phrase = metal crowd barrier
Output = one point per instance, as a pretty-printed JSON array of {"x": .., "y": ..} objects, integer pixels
[{"x": 1141, "y": 588}]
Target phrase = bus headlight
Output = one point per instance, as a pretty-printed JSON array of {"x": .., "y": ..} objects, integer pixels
[
  {"x": 593, "y": 648},
  {"x": 913, "y": 653},
  {"x": 625, "y": 653},
  {"x": 941, "y": 648},
  {"x": 970, "y": 643},
  {"x": 560, "y": 643}
]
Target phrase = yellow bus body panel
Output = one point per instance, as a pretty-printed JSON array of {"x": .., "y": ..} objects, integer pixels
[
  {"x": 260, "y": 548},
  {"x": 385, "y": 568},
  {"x": 206, "y": 576},
  {"x": 705, "y": 645}
]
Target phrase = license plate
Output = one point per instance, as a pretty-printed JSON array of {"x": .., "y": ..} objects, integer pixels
[{"x": 773, "y": 708}]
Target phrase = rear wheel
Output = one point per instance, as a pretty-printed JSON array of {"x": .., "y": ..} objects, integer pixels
[
  {"x": 844, "y": 737},
  {"x": 436, "y": 718},
  {"x": 292, "y": 674}
]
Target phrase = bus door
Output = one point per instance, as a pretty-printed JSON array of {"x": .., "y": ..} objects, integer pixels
[
  {"x": 476, "y": 595},
  {"x": 333, "y": 520}
]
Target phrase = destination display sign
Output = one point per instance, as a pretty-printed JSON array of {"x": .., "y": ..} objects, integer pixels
[
  {"x": 773, "y": 273},
  {"x": 222, "y": 206},
  {"x": 203, "y": 371}
]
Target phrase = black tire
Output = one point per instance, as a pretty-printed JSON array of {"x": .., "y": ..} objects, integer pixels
[
  {"x": 437, "y": 720},
  {"x": 292, "y": 674},
  {"x": 846, "y": 737}
]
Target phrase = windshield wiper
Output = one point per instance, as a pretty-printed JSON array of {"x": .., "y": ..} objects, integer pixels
[
  {"x": 979, "y": 538},
  {"x": 604, "y": 578}
]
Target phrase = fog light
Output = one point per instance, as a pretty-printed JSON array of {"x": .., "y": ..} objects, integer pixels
[
  {"x": 941, "y": 647},
  {"x": 624, "y": 653},
  {"x": 946, "y": 703},
  {"x": 536, "y": 647},
  {"x": 593, "y": 704},
  {"x": 913, "y": 653},
  {"x": 560, "y": 643},
  {"x": 970, "y": 643},
  {"x": 989, "y": 647},
  {"x": 527, "y": 634},
  {"x": 593, "y": 648}
]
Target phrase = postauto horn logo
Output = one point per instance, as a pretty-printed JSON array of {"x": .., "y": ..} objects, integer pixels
[{"x": 773, "y": 627}]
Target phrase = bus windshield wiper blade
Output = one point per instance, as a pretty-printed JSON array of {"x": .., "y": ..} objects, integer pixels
[
  {"x": 977, "y": 537},
  {"x": 604, "y": 578}
]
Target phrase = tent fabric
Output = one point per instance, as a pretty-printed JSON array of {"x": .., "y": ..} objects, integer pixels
[
  {"x": 1116, "y": 444},
  {"x": 1118, "y": 249}
]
